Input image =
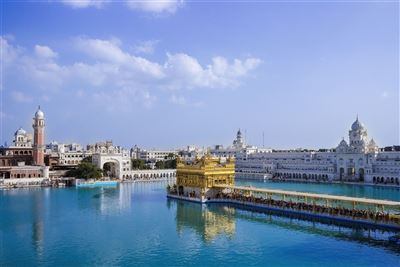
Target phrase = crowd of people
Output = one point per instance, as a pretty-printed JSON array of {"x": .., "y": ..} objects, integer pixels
[
  {"x": 378, "y": 216},
  {"x": 387, "y": 181}
]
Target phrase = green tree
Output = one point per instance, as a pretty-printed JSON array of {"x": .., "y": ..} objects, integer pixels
[
  {"x": 170, "y": 164},
  {"x": 86, "y": 170},
  {"x": 160, "y": 164},
  {"x": 138, "y": 164},
  {"x": 87, "y": 159}
]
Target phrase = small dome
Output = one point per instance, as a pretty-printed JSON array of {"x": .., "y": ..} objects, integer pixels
[
  {"x": 343, "y": 143},
  {"x": 20, "y": 131},
  {"x": 357, "y": 125},
  {"x": 372, "y": 142},
  {"x": 39, "y": 114}
]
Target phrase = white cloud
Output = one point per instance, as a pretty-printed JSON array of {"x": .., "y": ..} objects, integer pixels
[
  {"x": 156, "y": 6},
  {"x": 9, "y": 53},
  {"x": 146, "y": 47},
  {"x": 110, "y": 52},
  {"x": 107, "y": 71},
  {"x": 20, "y": 97},
  {"x": 44, "y": 52},
  {"x": 150, "y": 6},
  {"x": 188, "y": 73},
  {"x": 84, "y": 3},
  {"x": 180, "y": 100}
]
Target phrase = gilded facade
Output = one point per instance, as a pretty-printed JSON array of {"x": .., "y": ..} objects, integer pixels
[{"x": 198, "y": 178}]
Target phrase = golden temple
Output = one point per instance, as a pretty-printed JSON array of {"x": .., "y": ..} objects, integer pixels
[{"x": 199, "y": 178}]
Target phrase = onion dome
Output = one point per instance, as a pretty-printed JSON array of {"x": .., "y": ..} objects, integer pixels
[
  {"x": 357, "y": 125},
  {"x": 39, "y": 114},
  {"x": 20, "y": 131}
]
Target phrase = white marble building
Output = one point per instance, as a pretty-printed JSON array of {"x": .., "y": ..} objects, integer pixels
[
  {"x": 68, "y": 154},
  {"x": 238, "y": 146},
  {"x": 22, "y": 139},
  {"x": 152, "y": 155},
  {"x": 191, "y": 152},
  {"x": 358, "y": 160},
  {"x": 118, "y": 160},
  {"x": 107, "y": 156}
]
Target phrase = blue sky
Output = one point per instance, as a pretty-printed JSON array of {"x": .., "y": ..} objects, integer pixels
[{"x": 168, "y": 74}]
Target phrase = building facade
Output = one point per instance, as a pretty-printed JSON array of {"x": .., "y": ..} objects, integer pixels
[
  {"x": 114, "y": 160},
  {"x": 358, "y": 160},
  {"x": 65, "y": 155},
  {"x": 197, "y": 179},
  {"x": 152, "y": 155},
  {"x": 238, "y": 146}
]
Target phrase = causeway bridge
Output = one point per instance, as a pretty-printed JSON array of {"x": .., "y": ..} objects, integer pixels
[
  {"x": 385, "y": 213},
  {"x": 312, "y": 198},
  {"x": 377, "y": 213}
]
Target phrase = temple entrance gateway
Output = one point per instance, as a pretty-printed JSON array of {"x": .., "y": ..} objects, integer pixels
[{"x": 110, "y": 169}]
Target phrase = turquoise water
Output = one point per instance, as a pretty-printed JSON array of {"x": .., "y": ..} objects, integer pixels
[
  {"x": 135, "y": 225},
  {"x": 366, "y": 191}
]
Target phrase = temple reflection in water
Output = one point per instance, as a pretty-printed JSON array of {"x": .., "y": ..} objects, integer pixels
[
  {"x": 38, "y": 222},
  {"x": 208, "y": 222},
  {"x": 219, "y": 221}
]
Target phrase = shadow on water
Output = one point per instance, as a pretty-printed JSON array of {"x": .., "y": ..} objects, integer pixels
[{"x": 212, "y": 221}]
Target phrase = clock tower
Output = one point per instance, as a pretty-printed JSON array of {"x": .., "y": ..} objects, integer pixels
[{"x": 38, "y": 138}]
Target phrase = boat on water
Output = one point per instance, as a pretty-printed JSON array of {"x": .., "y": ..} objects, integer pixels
[{"x": 92, "y": 183}]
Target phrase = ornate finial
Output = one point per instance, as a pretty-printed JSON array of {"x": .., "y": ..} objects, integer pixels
[{"x": 39, "y": 107}]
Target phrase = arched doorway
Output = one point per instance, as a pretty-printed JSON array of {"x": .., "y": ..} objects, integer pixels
[
  {"x": 341, "y": 172},
  {"x": 111, "y": 169},
  {"x": 361, "y": 174},
  {"x": 350, "y": 171}
]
